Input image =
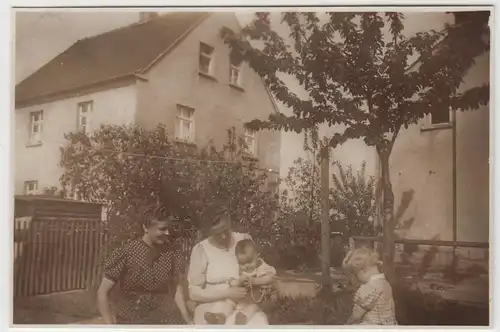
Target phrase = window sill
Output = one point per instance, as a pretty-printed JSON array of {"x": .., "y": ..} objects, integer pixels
[
  {"x": 237, "y": 87},
  {"x": 250, "y": 157},
  {"x": 184, "y": 142},
  {"x": 33, "y": 144},
  {"x": 440, "y": 126},
  {"x": 207, "y": 76}
]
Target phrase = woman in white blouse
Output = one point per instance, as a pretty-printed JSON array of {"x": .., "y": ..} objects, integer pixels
[{"x": 213, "y": 263}]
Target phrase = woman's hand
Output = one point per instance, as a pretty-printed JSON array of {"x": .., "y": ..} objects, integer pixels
[
  {"x": 236, "y": 293},
  {"x": 234, "y": 283}
]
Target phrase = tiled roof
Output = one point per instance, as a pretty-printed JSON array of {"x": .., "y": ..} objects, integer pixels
[{"x": 121, "y": 52}]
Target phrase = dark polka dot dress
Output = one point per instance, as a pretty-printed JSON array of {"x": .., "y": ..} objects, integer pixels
[{"x": 147, "y": 278}]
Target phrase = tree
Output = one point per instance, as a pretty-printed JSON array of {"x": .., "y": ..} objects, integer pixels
[{"x": 361, "y": 78}]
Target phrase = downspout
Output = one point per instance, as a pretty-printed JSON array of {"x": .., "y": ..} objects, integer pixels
[{"x": 454, "y": 175}]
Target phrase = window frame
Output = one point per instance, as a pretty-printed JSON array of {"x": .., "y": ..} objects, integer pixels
[
  {"x": 29, "y": 192},
  {"x": 250, "y": 134},
  {"x": 88, "y": 115},
  {"x": 35, "y": 138},
  {"x": 432, "y": 123},
  {"x": 235, "y": 68},
  {"x": 210, "y": 56},
  {"x": 179, "y": 123}
]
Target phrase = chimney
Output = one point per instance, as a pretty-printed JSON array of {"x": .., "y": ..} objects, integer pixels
[{"x": 146, "y": 16}]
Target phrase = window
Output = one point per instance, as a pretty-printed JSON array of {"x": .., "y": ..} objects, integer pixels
[
  {"x": 273, "y": 188},
  {"x": 30, "y": 187},
  {"x": 184, "y": 129},
  {"x": 235, "y": 73},
  {"x": 84, "y": 114},
  {"x": 205, "y": 64},
  {"x": 250, "y": 141},
  {"x": 36, "y": 121},
  {"x": 440, "y": 117}
]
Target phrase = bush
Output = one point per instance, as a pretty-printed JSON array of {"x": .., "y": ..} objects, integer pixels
[{"x": 130, "y": 168}]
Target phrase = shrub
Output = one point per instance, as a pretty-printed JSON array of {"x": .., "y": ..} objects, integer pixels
[{"x": 130, "y": 168}]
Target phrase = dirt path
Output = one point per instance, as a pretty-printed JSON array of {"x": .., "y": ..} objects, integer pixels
[{"x": 43, "y": 317}]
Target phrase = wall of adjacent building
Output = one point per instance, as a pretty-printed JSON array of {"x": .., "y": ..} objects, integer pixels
[{"x": 422, "y": 162}]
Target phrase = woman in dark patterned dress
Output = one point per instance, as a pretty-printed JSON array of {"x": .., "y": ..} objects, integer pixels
[{"x": 147, "y": 272}]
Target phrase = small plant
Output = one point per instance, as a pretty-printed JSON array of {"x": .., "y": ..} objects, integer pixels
[{"x": 354, "y": 200}]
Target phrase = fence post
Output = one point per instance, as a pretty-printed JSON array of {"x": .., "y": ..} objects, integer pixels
[{"x": 352, "y": 243}]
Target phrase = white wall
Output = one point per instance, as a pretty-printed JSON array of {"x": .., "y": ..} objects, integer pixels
[{"x": 41, "y": 163}]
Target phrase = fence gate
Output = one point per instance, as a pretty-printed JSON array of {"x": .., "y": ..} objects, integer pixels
[{"x": 55, "y": 255}]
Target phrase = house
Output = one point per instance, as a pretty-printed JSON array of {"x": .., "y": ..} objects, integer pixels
[{"x": 172, "y": 69}]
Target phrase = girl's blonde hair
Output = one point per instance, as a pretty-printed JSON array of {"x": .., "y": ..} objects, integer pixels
[{"x": 361, "y": 259}]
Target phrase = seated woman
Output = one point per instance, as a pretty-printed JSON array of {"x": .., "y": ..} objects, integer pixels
[{"x": 213, "y": 264}]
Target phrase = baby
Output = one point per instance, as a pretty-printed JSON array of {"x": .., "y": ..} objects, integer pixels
[
  {"x": 256, "y": 275},
  {"x": 373, "y": 301}
]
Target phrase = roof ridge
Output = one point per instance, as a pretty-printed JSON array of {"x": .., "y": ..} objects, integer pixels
[{"x": 138, "y": 23}]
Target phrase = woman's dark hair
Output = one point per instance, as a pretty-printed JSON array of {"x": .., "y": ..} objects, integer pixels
[
  {"x": 212, "y": 216},
  {"x": 155, "y": 212}
]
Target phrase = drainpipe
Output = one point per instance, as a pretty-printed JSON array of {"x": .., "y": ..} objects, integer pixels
[{"x": 454, "y": 175}]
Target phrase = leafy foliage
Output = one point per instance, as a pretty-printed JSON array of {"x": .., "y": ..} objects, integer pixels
[
  {"x": 131, "y": 168},
  {"x": 354, "y": 200},
  {"x": 54, "y": 191},
  {"x": 303, "y": 190}
]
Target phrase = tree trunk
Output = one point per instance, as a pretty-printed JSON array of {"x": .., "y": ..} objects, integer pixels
[
  {"x": 325, "y": 217},
  {"x": 388, "y": 216}
]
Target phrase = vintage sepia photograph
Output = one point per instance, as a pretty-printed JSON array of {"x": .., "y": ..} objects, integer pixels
[{"x": 251, "y": 166}]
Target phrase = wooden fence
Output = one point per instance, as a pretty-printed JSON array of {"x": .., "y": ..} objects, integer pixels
[
  {"x": 55, "y": 255},
  {"x": 438, "y": 252}
]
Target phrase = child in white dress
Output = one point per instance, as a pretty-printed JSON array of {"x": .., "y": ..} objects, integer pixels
[
  {"x": 256, "y": 275},
  {"x": 373, "y": 301}
]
